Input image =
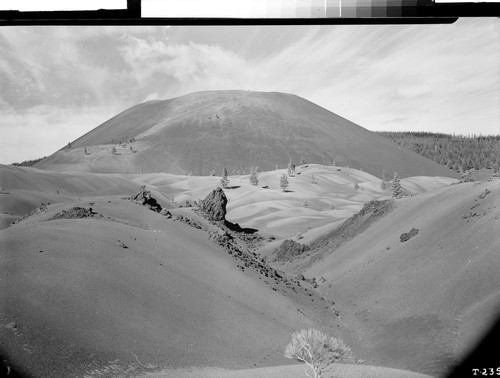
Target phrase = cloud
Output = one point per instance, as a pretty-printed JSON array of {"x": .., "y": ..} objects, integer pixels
[
  {"x": 42, "y": 130},
  {"x": 435, "y": 77}
]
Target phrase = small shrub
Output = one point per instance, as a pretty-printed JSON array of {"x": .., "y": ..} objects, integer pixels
[{"x": 317, "y": 350}]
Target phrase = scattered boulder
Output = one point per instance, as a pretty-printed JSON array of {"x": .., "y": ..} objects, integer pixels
[
  {"x": 483, "y": 195},
  {"x": 144, "y": 198},
  {"x": 290, "y": 249},
  {"x": 214, "y": 205},
  {"x": 408, "y": 235},
  {"x": 166, "y": 213},
  {"x": 121, "y": 244}
]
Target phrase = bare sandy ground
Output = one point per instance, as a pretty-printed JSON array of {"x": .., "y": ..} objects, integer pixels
[
  {"x": 288, "y": 371},
  {"x": 75, "y": 301},
  {"x": 205, "y": 131},
  {"x": 424, "y": 302}
]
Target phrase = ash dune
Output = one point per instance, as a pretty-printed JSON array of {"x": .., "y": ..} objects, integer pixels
[
  {"x": 206, "y": 131},
  {"x": 86, "y": 296},
  {"x": 424, "y": 302},
  {"x": 131, "y": 291}
]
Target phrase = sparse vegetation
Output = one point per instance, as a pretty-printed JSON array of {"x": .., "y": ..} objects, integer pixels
[
  {"x": 28, "y": 163},
  {"x": 224, "y": 181},
  {"x": 317, "y": 350},
  {"x": 284, "y": 182}
]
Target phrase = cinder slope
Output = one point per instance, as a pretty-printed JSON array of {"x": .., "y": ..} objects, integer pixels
[
  {"x": 422, "y": 303},
  {"x": 206, "y": 131},
  {"x": 75, "y": 301}
]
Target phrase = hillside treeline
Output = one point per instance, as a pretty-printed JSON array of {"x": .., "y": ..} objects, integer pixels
[
  {"x": 28, "y": 163},
  {"x": 456, "y": 152}
]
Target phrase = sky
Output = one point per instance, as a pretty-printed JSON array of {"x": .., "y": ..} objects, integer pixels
[{"x": 57, "y": 83}]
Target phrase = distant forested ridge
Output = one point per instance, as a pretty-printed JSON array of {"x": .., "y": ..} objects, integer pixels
[
  {"x": 28, "y": 163},
  {"x": 459, "y": 153}
]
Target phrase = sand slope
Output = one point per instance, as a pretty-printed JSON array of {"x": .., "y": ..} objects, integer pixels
[
  {"x": 422, "y": 303},
  {"x": 74, "y": 301},
  {"x": 293, "y": 371},
  {"x": 206, "y": 131},
  {"x": 80, "y": 301}
]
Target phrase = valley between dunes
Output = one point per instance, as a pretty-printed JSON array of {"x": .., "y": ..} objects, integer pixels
[{"x": 130, "y": 292}]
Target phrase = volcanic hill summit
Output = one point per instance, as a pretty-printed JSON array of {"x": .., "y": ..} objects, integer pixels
[{"x": 205, "y": 131}]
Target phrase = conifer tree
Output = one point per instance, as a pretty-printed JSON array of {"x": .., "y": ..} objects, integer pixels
[
  {"x": 397, "y": 189},
  {"x": 290, "y": 166},
  {"x": 254, "y": 180},
  {"x": 224, "y": 181},
  {"x": 284, "y": 182},
  {"x": 385, "y": 180}
]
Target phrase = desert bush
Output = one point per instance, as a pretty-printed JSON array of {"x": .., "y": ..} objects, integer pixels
[
  {"x": 305, "y": 203},
  {"x": 317, "y": 350},
  {"x": 113, "y": 150},
  {"x": 283, "y": 182}
]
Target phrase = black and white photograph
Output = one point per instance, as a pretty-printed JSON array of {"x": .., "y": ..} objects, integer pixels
[{"x": 268, "y": 200}]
